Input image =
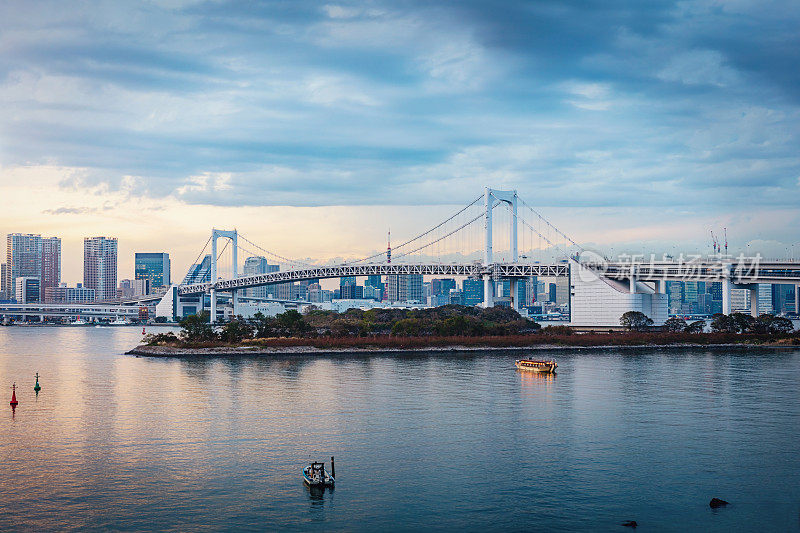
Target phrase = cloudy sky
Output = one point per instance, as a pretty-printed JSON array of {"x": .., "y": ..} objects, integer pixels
[{"x": 313, "y": 127}]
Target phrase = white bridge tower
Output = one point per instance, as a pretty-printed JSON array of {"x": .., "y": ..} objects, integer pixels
[
  {"x": 510, "y": 198},
  {"x": 234, "y": 237}
]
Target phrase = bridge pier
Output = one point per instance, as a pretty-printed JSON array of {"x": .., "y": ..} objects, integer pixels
[
  {"x": 514, "y": 294},
  {"x": 753, "y": 290},
  {"x": 213, "y": 306},
  {"x": 726, "y": 295},
  {"x": 488, "y": 291}
]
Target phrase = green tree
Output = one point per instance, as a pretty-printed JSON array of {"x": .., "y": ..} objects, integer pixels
[
  {"x": 744, "y": 323},
  {"x": 236, "y": 330},
  {"x": 780, "y": 324},
  {"x": 675, "y": 324},
  {"x": 721, "y": 323},
  {"x": 263, "y": 326},
  {"x": 197, "y": 328},
  {"x": 698, "y": 326},
  {"x": 635, "y": 320},
  {"x": 291, "y": 323}
]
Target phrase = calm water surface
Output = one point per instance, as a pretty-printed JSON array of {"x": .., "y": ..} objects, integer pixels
[{"x": 456, "y": 442}]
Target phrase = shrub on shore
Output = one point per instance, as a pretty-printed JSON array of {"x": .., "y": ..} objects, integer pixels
[{"x": 449, "y": 325}]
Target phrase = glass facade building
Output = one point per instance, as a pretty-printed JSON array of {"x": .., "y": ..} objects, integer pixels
[{"x": 152, "y": 266}]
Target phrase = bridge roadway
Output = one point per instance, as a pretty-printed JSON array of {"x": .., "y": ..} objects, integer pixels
[
  {"x": 510, "y": 270},
  {"x": 744, "y": 272}
]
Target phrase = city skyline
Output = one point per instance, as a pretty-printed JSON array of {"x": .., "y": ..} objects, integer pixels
[{"x": 630, "y": 126}]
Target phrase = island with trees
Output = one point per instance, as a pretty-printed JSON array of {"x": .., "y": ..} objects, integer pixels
[{"x": 452, "y": 328}]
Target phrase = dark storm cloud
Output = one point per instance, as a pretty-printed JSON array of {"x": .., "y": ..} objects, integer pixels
[{"x": 302, "y": 103}]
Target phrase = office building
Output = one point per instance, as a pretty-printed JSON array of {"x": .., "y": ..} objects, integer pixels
[
  {"x": 130, "y": 288},
  {"x": 783, "y": 296},
  {"x": 351, "y": 291},
  {"x": 100, "y": 266},
  {"x": 473, "y": 291},
  {"x": 64, "y": 294},
  {"x": 740, "y": 301},
  {"x": 442, "y": 286},
  {"x": 28, "y": 290},
  {"x": 456, "y": 297},
  {"x": 152, "y": 266},
  {"x": 254, "y": 266},
  {"x": 765, "y": 299},
  {"x": 405, "y": 288}
]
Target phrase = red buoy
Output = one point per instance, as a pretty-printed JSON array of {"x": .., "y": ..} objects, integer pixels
[
  {"x": 13, "y": 401},
  {"x": 143, "y": 330}
]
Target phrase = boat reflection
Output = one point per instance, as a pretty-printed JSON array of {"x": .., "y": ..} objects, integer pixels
[
  {"x": 535, "y": 379},
  {"x": 317, "y": 493}
]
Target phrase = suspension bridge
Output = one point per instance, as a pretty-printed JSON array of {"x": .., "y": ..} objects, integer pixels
[
  {"x": 466, "y": 244},
  {"x": 497, "y": 237}
]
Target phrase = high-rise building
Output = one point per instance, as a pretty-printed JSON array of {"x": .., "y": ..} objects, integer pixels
[
  {"x": 783, "y": 298},
  {"x": 405, "y": 288},
  {"x": 442, "y": 286},
  {"x": 351, "y": 291},
  {"x": 473, "y": 291},
  {"x": 51, "y": 263},
  {"x": 199, "y": 272},
  {"x": 285, "y": 291},
  {"x": 23, "y": 259},
  {"x": 740, "y": 301},
  {"x": 152, "y": 266},
  {"x": 3, "y": 290},
  {"x": 765, "y": 299},
  {"x": 254, "y": 266},
  {"x": 347, "y": 280},
  {"x": 100, "y": 266},
  {"x": 675, "y": 296}
]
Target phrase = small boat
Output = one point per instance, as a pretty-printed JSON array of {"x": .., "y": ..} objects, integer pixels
[
  {"x": 315, "y": 475},
  {"x": 547, "y": 367}
]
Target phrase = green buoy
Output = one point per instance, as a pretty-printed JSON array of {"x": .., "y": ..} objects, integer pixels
[{"x": 37, "y": 387}]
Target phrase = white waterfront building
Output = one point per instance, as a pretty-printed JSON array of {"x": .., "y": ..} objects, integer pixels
[{"x": 600, "y": 302}]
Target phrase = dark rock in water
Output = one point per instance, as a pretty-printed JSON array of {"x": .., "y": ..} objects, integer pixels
[
  {"x": 630, "y": 523},
  {"x": 716, "y": 502}
]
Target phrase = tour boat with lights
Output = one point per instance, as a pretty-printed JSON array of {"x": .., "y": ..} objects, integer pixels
[{"x": 545, "y": 367}]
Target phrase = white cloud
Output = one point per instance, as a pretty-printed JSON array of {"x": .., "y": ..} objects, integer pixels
[{"x": 699, "y": 67}]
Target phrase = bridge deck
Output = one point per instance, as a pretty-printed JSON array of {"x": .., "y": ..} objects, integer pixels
[{"x": 741, "y": 273}]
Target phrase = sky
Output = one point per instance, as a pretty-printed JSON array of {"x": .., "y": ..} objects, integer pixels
[{"x": 313, "y": 127}]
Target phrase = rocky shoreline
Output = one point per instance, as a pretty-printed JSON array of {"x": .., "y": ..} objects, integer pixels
[{"x": 224, "y": 351}]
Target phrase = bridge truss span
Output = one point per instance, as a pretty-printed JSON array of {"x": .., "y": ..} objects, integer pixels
[{"x": 497, "y": 270}]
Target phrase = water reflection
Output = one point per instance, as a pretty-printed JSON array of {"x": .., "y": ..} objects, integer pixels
[
  {"x": 536, "y": 379},
  {"x": 219, "y": 443}
]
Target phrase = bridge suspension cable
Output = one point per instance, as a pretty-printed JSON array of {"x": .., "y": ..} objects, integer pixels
[
  {"x": 423, "y": 234},
  {"x": 543, "y": 219},
  {"x": 442, "y": 237},
  {"x": 273, "y": 254},
  {"x": 198, "y": 257}
]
